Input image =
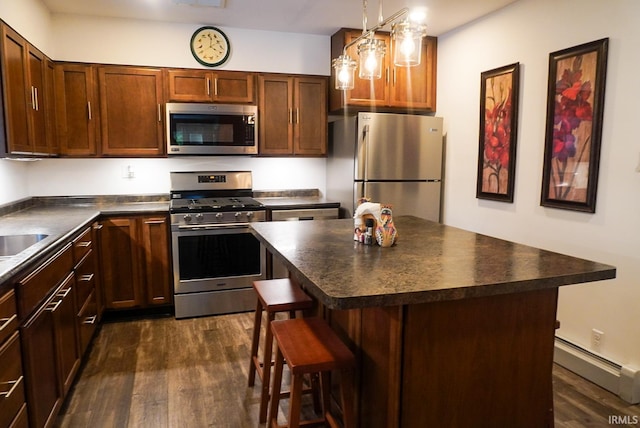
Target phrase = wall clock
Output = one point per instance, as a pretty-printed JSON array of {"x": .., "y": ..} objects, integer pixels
[{"x": 210, "y": 46}]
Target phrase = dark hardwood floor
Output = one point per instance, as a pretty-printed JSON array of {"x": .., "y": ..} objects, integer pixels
[{"x": 161, "y": 372}]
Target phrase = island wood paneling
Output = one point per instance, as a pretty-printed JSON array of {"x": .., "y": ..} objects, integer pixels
[{"x": 480, "y": 361}]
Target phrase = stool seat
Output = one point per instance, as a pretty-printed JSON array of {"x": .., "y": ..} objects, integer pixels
[
  {"x": 274, "y": 295},
  {"x": 280, "y": 295},
  {"x": 309, "y": 345}
]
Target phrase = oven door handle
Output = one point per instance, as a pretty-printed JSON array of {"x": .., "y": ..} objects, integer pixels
[{"x": 215, "y": 226}]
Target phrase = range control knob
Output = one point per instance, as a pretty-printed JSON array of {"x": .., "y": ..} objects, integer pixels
[
  {"x": 249, "y": 214},
  {"x": 187, "y": 218},
  {"x": 219, "y": 216},
  {"x": 238, "y": 214},
  {"x": 199, "y": 217}
]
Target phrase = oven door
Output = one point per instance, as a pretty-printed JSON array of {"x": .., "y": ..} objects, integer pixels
[{"x": 221, "y": 257}]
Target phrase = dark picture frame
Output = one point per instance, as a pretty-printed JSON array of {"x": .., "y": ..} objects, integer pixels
[
  {"x": 499, "y": 89},
  {"x": 575, "y": 108}
]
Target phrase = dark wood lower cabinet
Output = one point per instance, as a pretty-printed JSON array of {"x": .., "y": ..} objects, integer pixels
[
  {"x": 11, "y": 381},
  {"x": 134, "y": 255},
  {"x": 44, "y": 397},
  {"x": 64, "y": 318}
]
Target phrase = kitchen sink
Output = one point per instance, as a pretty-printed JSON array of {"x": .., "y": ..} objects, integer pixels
[{"x": 10, "y": 245}]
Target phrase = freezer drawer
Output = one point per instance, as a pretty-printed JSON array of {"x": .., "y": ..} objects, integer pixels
[{"x": 421, "y": 199}]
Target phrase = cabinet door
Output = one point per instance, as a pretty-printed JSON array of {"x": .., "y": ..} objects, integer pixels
[
  {"x": 41, "y": 372},
  {"x": 310, "y": 131},
  {"x": 276, "y": 115},
  {"x": 189, "y": 85},
  {"x": 76, "y": 109},
  {"x": 366, "y": 93},
  {"x": 11, "y": 380},
  {"x": 87, "y": 321},
  {"x": 234, "y": 87},
  {"x": 131, "y": 116},
  {"x": 157, "y": 272},
  {"x": 50, "y": 107},
  {"x": 120, "y": 263},
  {"x": 64, "y": 312},
  {"x": 16, "y": 91},
  {"x": 37, "y": 122},
  {"x": 415, "y": 87}
]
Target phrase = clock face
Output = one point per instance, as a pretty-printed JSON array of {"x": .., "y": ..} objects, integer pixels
[{"x": 210, "y": 46}]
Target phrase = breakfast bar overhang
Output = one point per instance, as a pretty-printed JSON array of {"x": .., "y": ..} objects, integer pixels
[{"x": 449, "y": 327}]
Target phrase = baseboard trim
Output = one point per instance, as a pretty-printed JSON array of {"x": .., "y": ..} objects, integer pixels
[{"x": 623, "y": 381}]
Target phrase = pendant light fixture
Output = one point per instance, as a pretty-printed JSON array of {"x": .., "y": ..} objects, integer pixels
[{"x": 407, "y": 38}]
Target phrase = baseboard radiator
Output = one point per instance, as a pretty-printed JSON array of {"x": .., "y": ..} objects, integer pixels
[{"x": 623, "y": 381}]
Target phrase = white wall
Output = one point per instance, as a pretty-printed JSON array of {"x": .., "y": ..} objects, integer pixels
[
  {"x": 13, "y": 181},
  {"x": 121, "y": 41},
  {"x": 57, "y": 177},
  {"x": 31, "y": 19},
  {"x": 526, "y": 32}
]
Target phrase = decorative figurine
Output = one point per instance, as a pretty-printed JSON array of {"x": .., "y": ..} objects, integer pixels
[{"x": 386, "y": 233}]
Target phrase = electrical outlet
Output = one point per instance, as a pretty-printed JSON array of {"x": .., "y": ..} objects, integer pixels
[
  {"x": 597, "y": 339},
  {"x": 128, "y": 171}
]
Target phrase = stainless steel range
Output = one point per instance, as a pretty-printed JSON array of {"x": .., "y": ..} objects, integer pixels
[{"x": 215, "y": 256}]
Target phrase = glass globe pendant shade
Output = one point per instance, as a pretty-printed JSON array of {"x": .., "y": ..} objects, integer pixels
[
  {"x": 370, "y": 53},
  {"x": 407, "y": 39},
  {"x": 345, "y": 68}
]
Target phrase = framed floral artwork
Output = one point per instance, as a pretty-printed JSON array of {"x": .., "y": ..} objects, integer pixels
[
  {"x": 498, "y": 133},
  {"x": 575, "y": 102}
]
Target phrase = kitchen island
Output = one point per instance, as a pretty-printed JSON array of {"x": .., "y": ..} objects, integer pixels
[{"x": 449, "y": 327}]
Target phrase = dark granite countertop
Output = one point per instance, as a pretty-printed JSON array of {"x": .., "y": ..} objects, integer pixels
[
  {"x": 430, "y": 262},
  {"x": 60, "y": 218}
]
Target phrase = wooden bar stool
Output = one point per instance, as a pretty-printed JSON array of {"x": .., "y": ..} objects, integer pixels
[
  {"x": 274, "y": 295},
  {"x": 309, "y": 345}
]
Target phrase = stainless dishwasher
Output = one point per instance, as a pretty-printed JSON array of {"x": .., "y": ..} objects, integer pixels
[{"x": 278, "y": 270}]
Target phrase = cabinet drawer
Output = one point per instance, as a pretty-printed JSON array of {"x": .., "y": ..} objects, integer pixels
[
  {"x": 8, "y": 315},
  {"x": 34, "y": 288},
  {"x": 304, "y": 214},
  {"x": 11, "y": 381},
  {"x": 21, "y": 421},
  {"x": 85, "y": 277},
  {"x": 81, "y": 245},
  {"x": 87, "y": 321}
]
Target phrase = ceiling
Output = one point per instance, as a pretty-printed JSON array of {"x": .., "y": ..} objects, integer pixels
[{"x": 322, "y": 17}]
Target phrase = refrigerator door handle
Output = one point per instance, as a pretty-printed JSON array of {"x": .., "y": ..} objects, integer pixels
[{"x": 361, "y": 154}]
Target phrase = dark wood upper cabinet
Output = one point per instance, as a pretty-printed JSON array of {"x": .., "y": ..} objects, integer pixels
[
  {"x": 26, "y": 88},
  {"x": 131, "y": 111},
  {"x": 77, "y": 109},
  {"x": 16, "y": 91},
  {"x": 209, "y": 86},
  {"x": 292, "y": 115},
  {"x": 400, "y": 88}
]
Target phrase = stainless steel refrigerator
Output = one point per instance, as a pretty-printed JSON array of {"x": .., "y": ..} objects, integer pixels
[{"x": 393, "y": 159}]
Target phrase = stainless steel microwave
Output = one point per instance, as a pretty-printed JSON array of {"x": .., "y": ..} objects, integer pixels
[{"x": 211, "y": 129}]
